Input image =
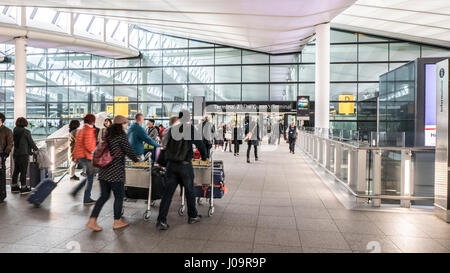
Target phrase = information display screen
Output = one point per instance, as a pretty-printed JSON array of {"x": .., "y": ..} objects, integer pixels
[
  {"x": 430, "y": 105},
  {"x": 303, "y": 107}
]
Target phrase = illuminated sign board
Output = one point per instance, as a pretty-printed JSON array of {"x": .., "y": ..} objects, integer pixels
[
  {"x": 302, "y": 105},
  {"x": 430, "y": 105},
  {"x": 346, "y": 105}
]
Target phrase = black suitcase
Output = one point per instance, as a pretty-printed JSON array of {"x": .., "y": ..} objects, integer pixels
[
  {"x": 158, "y": 176},
  {"x": 36, "y": 174},
  {"x": 43, "y": 190}
]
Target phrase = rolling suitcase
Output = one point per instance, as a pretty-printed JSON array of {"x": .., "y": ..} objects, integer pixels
[
  {"x": 158, "y": 174},
  {"x": 36, "y": 174},
  {"x": 43, "y": 190}
]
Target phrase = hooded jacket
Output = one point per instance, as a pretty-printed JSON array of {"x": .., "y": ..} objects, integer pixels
[{"x": 23, "y": 143}]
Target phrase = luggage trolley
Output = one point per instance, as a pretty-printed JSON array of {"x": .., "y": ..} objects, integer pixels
[
  {"x": 136, "y": 176},
  {"x": 201, "y": 166}
]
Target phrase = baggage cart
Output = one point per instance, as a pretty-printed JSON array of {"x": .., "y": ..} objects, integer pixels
[{"x": 204, "y": 175}]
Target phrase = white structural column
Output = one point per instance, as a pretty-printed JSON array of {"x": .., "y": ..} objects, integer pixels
[
  {"x": 322, "y": 88},
  {"x": 20, "y": 78}
]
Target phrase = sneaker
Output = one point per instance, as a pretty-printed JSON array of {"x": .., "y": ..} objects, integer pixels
[
  {"x": 193, "y": 220},
  {"x": 76, "y": 178},
  {"x": 25, "y": 190},
  {"x": 89, "y": 202},
  {"x": 248, "y": 160},
  {"x": 162, "y": 225},
  {"x": 15, "y": 189}
]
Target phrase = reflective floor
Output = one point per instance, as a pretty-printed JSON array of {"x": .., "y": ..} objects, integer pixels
[{"x": 277, "y": 204}]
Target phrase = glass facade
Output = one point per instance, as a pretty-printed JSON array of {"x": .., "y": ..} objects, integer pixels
[{"x": 64, "y": 85}]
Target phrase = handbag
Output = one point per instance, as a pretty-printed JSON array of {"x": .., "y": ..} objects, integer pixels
[{"x": 102, "y": 155}]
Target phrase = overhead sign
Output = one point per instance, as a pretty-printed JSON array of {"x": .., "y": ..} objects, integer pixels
[
  {"x": 121, "y": 108},
  {"x": 346, "y": 104},
  {"x": 303, "y": 107}
]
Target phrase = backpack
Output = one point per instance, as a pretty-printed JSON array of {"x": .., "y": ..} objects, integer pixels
[
  {"x": 102, "y": 156},
  {"x": 176, "y": 150}
]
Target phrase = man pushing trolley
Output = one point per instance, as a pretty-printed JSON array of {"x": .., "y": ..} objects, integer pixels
[{"x": 179, "y": 155}]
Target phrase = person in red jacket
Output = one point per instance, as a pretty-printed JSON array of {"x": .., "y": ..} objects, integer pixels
[{"x": 85, "y": 143}]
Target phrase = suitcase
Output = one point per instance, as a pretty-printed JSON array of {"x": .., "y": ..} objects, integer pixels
[
  {"x": 137, "y": 182},
  {"x": 43, "y": 190},
  {"x": 36, "y": 174},
  {"x": 204, "y": 191},
  {"x": 158, "y": 176}
]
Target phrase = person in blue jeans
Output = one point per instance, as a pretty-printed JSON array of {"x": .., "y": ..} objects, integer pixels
[
  {"x": 180, "y": 173},
  {"x": 137, "y": 136}
]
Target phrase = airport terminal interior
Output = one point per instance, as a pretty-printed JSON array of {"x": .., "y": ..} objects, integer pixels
[{"x": 350, "y": 98}]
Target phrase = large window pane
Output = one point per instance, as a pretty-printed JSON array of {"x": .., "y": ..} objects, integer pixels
[
  {"x": 337, "y": 36},
  {"x": 150, "y": 75},
  {"x": 288, "y": 58},
  {"x": 58, "y": 110},
  {"x": 171, "y": 109},
  {"x": 337, "y": 89},
  {"x": 250, "y": 57},
  {"x": 228, "y": 74},
  {"x": 309, "y": 54},
  {"x": 306, "y": 73},
  {"x": 201, "y": 74},
  {"x": 173, "y": 42},
  {"x": 60, "y": 94},
  {"x": 430, "y": 51},
  {"x": 343, "y": 72},
  {"x": 373, "y": 52},
  {"x": 102, "y": 93},
  {"x": 283, "y": 73},
  {"x": 102, "y": 76},
  {"x": 201, "y": 90},
  {"x": 175, "y": 75},
  {"x": 371, "y": 72},
  {"x": 152, "y": 58},
  {"x": 151, "y": 110},
  {"x": 255, "y": 92},
  {"x": 258, "y": 73},
  {"x": 80, "y": 77},
  {"x": 57, "y": 61},
  {"x": 134, "y": 62},
  {"x": 36, "y": 110},
  {"x": 175, "y": 57},
  {"x": 228, "y": 56},
  {"x": 343, "y": 53},
  {"x": 283, "y": 92},
  {"x": 307, "y": 89},
  {"x": 79, "y": 60},
  {"x": 201, "y": 56},
  {"x": 150, "y": 93},
  {"x": 175, "y": 92},
  {"x": 36, "y": 62},
  {"x": 228, "y": 92},
  {"x": 79, "y": 93},
  {"x": 403, "y": 52},
  {"x": 36, "y": 94},
  {"x": 125, "y": 76},
  {"x": 36, "y": 78},
  {"x": 367, "y": 90},
  {"x": 127, "y": 92}
]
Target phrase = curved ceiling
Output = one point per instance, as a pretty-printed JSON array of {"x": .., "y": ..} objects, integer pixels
[
  {"x": 414, "y": 20},
  {"x": 262, "y": 25}
]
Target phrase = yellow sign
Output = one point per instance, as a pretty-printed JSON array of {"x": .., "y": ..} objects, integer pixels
[
  {"x": 121, "y": 108},
  {"x": 346, "y": 105}
]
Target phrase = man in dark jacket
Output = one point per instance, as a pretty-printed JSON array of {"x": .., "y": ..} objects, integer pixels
[
  {"x": 23, "y": 148},
  {"x": 253, "y": 128},
  {"x": 291, "y": 135},
  {"x": 180, "y": 171},
  {"x": 6, "y": 144}
]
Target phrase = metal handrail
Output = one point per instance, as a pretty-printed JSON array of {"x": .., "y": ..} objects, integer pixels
[{"x": 317, "y": 147}]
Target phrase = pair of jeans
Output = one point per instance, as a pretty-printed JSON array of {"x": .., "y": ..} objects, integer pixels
[
  {"x": 249, "y": 147},
  {"x": 236, "y": 147},
  {"x": 183, "y": 174},
  {"x": 2, "y": 177},
  {"x": 118, "y": 190},
  {"x": 292, "y": 144},
  {"x": 20, "y": 168},
  {"x": 88, "y": 168}
]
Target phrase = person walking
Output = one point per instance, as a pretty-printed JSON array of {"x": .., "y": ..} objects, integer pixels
[
  {"x": 73, "y": 127},
  {"x": 253, "y": 137},
  {"x": 227, "y": 136},
  {"x": 291, "y": 135},
  {"x": 208, "y": 134},
  {"x": 112, "y": 176},
  {"x": 6, "y": 144},
  {"x": 179, "y": 153},
  {"x": 85, "y": 143},
  {"x": 23, "y": 148},
  {"x": 237, "y": 138},
  {"x": 152, "y": 130},
  {"x": 137, "y": 136},
  {"x": 102, "y": 132}
]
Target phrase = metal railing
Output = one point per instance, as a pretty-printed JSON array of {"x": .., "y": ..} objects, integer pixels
[{"x": 373, "y": 174}]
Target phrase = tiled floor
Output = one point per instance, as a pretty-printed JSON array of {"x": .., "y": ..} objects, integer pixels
[{"x": 277, "y": 204}]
